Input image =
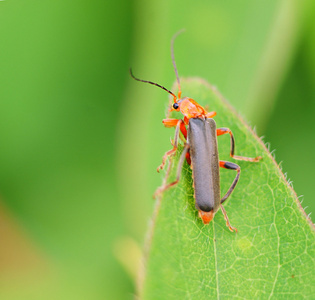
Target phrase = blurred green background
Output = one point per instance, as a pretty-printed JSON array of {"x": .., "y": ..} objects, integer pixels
[{"x": 80, "y": 141}]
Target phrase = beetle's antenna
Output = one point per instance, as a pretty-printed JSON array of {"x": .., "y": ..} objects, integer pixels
[
  {"x": 173, "y": 60},
  {"x": 153, "y": 83}
]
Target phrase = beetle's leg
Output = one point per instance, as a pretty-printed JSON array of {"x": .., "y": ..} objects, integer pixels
[
  {"x": 221, "y": 131},
  {"x": 211, "y": 114},
  {"x": 179, "y": 127},
  {"x": 179, "y": 170},
  {"x": 188, "y": 158},
  {"x": 174, "y": 122},
  {"x": 230, "y": 166},
  {"x": 228, "y": 224}
]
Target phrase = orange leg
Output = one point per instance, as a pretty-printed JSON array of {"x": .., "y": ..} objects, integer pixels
[
  {"x": 179, "y": 170},
  {"x": 228, "y": 224},
  {"x": 188, "y": 158},
  {"x": 221, "y": 131},
  {"x": 211, "y": 114},
  {"x": 173, "y": 122},
  {"x": 180, "y": 126}
]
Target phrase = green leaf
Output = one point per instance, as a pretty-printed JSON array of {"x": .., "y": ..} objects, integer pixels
[{"x": 271, "y": 256}]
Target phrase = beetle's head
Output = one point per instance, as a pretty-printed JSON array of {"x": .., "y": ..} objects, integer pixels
[{"x": 175, "y": 106}]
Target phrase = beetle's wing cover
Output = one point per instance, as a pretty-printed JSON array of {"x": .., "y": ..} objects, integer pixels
[{"x": 202, "y": 138}]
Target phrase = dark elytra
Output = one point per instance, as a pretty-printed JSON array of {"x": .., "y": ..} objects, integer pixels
[{"x": 202, "y": 138}]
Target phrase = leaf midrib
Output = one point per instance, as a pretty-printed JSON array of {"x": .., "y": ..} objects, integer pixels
[
  {"x": 278, "y": 246},
  {"x": 216, "y": 261}
]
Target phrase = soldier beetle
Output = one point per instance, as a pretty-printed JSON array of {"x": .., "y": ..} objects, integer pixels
[{"x": 200, "y": 151}]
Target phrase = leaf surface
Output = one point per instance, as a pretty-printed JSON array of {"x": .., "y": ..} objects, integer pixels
[{"x": 271, "y": 256}]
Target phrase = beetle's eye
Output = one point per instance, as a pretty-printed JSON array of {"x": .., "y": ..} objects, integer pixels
[{"x": 175, "y": 106}]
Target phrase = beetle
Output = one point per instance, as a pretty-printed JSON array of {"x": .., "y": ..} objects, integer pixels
[{"x": 200, "y": 151}]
